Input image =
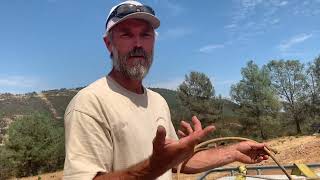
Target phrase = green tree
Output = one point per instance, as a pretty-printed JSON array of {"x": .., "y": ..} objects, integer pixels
[
  {"x": 313, "y": 77},
  {"x": 35, "y": 144},
  {"x": 6, "y": 166},
  {"x": 258, "y": 101},
  {"x": 3, "y": 126},
  {"x": 289, "y": 78},
  {"x": 196, "y": 94}
]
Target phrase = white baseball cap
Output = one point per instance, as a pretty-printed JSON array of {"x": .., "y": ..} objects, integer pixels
[{"x": 134, "y": 10}]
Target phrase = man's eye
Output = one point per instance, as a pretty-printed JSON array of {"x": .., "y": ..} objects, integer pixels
[
  {"x": 125, "y": 35},
  {"x": 146, "y": 35}
]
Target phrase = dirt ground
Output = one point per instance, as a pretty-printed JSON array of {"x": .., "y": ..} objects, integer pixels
[{"x": 303, "y": 149}]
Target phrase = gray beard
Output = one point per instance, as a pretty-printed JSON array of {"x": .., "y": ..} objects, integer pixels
[{"x": 138, "y": 71}]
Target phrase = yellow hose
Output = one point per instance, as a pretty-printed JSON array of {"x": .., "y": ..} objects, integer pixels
[{"x": 203, "y": 146}]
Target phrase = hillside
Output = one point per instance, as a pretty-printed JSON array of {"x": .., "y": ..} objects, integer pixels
[{"x": 54, "y": 102}]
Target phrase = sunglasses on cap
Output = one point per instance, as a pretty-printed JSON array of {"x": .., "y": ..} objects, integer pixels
[{"x": 125, "y": 9}]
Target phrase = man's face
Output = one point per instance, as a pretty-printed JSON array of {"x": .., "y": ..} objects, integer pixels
[{"x": 131, "y": 47}]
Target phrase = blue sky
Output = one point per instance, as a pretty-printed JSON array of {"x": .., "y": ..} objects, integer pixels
[{"x": 50, "y": 44}]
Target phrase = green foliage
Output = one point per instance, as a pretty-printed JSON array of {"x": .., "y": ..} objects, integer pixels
[
  {"x": 5, "y": 165},
  {"x": 313, "y": 77},
  {"x": 196, "y": 95},
  {"x": 289, "y": 79},
  {"x": 257, "y": 99},
  {"x": 35, "y": 145},
  {"x": 197, "y": 85},
  {"x": 3, "y": 126}
]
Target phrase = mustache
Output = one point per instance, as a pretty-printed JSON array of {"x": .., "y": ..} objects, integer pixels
[{"x": 138, "y": 52}]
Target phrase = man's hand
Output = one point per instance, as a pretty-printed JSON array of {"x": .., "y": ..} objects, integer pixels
[
  {"x": 249, "y": 152},
  {"x": 246, "y": 152},
  {"x": 169, "y": 153}
]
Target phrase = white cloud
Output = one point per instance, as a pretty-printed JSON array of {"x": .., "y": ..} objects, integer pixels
[
  {"x": 245, "y": 7},
  {"x": 209, "y": 48},
  {"x": 307, "y": 8},
  {"x": 17, "y": 81},
  {"x": 230, "y": 26},
  {"x": 282, "y": 3},
  {"x": 274, "y": 21},
  {"x": 173, "y": 8},
  {"x": 251, "y": 18},
  {"x": 294, "y": 41},
  {"x": 176, "y": 32}
]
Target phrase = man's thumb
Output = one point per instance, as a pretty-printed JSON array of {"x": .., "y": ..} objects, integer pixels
[{"x": 160, "y": 138}]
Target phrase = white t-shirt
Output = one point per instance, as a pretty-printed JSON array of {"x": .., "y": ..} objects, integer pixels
[{"x": 109, "y": 128}]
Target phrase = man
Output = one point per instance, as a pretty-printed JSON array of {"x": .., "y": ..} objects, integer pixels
[{"x": 118, "y": 129}]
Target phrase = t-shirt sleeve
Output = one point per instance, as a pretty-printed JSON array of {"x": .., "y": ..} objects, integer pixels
[{"x": 88, "y": 147}]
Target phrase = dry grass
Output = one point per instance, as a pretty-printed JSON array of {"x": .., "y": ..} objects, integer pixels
[
  {"x": 303, "y": 149},
  {"x": 50, "y": 176}
]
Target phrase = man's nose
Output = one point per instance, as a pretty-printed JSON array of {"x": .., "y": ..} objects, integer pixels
[{"x": 137, "y": 41}]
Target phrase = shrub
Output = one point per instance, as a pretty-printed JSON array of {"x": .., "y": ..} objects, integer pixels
[{"x": 35, "y": 145}]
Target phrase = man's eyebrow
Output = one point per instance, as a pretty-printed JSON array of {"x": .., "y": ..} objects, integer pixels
[
  {"x": 124, "y": 29},
  {"x": 148, "y": 29}
]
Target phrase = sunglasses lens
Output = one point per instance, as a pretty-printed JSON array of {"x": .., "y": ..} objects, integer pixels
[
  {"x": 126, "y": 9},
  {"x": 148, "y": 9}
]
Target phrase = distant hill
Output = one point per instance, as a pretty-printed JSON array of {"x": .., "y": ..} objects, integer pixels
[
  {"x": 169, "y": 95},
  {"x": 54, "y": 102}
]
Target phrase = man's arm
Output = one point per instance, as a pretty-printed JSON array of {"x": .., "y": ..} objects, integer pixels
[
  {"x": 206, "y": 160},
  {"x": 141, "y": 170},
  {"x": 248, "y": 152}
]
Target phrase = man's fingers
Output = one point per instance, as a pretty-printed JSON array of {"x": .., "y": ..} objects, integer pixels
[
  {"x": 262, "y": 157},
  {"x": 196, "y": 123},
  {"x": 186, "y": 127},
  {"x": 203, "y": 133},
  {"x": 256, "y": 146},
  {"x": 265, "y": 157},
  {"x": 183, "y": 128},
  {"x": 181, "y": 134},
  {"x": 209, "y": 129},
  {"x": 160, "y": 138},
  {"x": 249, "y": 159}
]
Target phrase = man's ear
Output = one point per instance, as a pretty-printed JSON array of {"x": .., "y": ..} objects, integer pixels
[{"x": 108, "y": 43}]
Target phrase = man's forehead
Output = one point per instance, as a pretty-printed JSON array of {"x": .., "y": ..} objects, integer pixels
[{"x": 133, "y": 24}]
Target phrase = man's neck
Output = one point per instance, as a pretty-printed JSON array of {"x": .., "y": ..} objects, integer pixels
[{"x": 129, "y": 84}]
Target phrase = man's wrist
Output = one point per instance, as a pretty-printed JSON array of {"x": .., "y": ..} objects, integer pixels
[
  {"x": 142, "y": 170},
  {"x": 233, "y": 152}
]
